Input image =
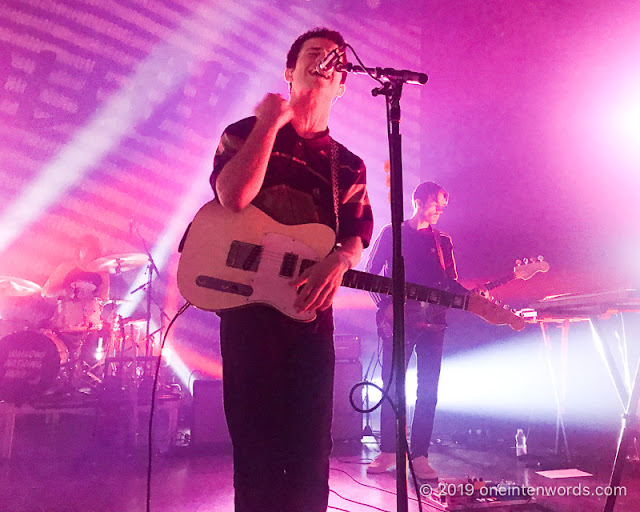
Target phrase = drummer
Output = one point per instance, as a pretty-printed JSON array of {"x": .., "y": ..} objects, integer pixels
[
  {"x": 73, "y": 280},
  {"x": 81, "y": 292}
]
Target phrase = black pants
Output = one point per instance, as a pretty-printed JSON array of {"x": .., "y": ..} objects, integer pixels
[
  {"x": 278, "y": 401},
  {"x": 428, "y": 346}
]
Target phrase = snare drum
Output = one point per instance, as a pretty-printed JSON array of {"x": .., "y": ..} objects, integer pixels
[
  {"x": 30, "y": 364},
  {"x": 78, "y": 314}
]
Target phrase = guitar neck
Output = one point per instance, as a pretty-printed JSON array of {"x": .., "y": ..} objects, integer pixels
[
  {"x": 499, "y": 282},
  {"x": 384, "y": 285}
]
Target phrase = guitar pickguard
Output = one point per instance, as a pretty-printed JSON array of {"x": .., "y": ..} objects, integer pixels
[{"x": 269, "y": 282}]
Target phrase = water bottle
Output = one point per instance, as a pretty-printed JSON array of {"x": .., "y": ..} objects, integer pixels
[{"x": 521, "y": 444}]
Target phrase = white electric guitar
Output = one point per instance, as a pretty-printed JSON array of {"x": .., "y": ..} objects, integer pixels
[{"x": 230, "y": 260}]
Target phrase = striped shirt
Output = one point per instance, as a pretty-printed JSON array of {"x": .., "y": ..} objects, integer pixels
[{"x": 297, "y": 186}]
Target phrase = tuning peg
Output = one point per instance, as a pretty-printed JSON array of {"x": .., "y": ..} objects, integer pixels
[
  {"x": 526, "y": 261},
  {"x": 518, "y": 263},
  {"x": 540, "y": 258}
]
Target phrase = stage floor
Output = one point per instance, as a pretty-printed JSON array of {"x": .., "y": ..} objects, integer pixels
[{"x": 67, "y": 467}]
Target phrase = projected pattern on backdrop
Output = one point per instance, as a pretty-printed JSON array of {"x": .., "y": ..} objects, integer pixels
[{"x": 111, "y": 111}]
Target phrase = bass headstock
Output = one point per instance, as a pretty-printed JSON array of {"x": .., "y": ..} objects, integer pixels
[{"x": 528, "y": 267}]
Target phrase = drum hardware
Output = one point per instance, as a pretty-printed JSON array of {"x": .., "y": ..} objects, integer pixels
[
  {"x": 123, "y": 355},
  {"x": 67, "y": 342},
  {"x": 116, "y": 264},
  {"x": 116, "y": 302},
  {"x": 148, "y": 287}
]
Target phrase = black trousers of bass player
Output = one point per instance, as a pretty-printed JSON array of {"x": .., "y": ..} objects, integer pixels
[
  {"x": 429, "y": 347},
  {"x": 278, "y": 401}
]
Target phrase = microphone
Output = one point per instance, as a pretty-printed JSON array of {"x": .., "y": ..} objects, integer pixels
[{"x": 330, "y": 60}]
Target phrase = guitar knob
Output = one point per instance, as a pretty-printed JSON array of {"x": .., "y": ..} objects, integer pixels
[
  {"x": 518, "y": 263},
  {"x": 540, "y": 258},
  {"x": 526, "y": 260}
]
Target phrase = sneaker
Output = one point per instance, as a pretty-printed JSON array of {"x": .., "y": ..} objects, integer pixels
[
  {"x": 423, "y": 470},
  {"x": 384, "y": 462}
]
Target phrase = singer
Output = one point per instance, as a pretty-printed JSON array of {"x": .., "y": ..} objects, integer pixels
[{"x": 278, "y": 373}]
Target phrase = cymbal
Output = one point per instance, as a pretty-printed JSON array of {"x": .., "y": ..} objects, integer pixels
[
  {"x": 17, "y": 287},
  {"x": 117, "y": 263}
]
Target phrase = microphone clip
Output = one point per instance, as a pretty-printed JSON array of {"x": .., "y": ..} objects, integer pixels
[{"x": 330, "y": 60}]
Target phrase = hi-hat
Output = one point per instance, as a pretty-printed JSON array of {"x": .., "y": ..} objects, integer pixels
[
  {"x": 17, "y": 287},
  {"x": 117, "y": 263}
]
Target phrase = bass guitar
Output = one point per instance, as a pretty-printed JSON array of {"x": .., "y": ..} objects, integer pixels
[
  {"x": 427, "y": 316},
  {"x": 524, "y": 269}
]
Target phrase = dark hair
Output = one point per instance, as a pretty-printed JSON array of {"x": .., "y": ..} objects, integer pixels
[
  {"x": 428, "y": 189},
  {"x": 331, "y": 35}
]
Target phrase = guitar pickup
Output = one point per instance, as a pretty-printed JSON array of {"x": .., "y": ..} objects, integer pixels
[
  {"x": 222, "y": 285},
  {"x": 289, "y": 262},
  {"x": 306, "y": 264},
  {"x": 244, "y": 256}
]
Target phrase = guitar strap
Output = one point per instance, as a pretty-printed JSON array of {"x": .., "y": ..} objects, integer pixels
[
  {"x": 436, "y": 239},
  {"x": 333, "y": 159}
]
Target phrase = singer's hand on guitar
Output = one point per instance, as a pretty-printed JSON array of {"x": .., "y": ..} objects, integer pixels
[
  {"x": 317, "y": 286},
  {"x": 273, "y": 111}
]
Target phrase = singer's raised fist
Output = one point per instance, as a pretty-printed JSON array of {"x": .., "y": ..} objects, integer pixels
[{"x": 274, "y": 110}]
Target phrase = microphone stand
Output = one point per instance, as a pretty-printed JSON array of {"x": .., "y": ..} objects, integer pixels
[
  {"x": 391, "y": 88},
  {"x": 151, "y": 267}
]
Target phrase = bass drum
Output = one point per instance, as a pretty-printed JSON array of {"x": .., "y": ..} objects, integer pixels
[{"x": 30, "y": 364}]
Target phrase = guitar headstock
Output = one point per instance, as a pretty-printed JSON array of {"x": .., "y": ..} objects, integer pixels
[
  {"x": 527, "y": 268},
  {"x": 493, "y": 313}
]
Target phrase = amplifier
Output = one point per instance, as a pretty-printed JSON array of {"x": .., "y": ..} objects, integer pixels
[
  {"x": 208, "y": 426},
  {"x": 347, "y": 422},
  {"x": 347, "y": 347}
]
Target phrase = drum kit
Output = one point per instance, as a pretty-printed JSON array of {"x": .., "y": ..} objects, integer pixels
[{"x": 57, "y": 340}]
